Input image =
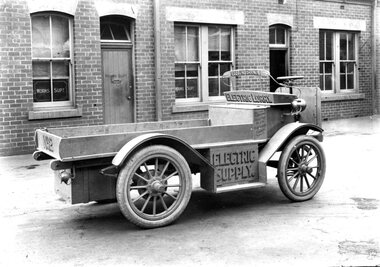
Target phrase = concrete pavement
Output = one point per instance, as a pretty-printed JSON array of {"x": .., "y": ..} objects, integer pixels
[{"x": 339, "y": 227}]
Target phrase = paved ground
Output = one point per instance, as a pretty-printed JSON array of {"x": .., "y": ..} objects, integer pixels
[{"x": 340, "y": 226}]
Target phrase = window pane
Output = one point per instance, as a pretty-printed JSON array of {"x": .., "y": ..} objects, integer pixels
[
  {"x": 226, "y": 44},
  {"x": 350, "y": 81},
  {"x": 61, "y": 69},
  {"x": 224, "y": 68},
  {"x": 119, "y": 32},
  {"x": 179, "y": 70},
  {"x": 343, "y": 46},
  {"x": 328, "y": 83},
  {"x": 351, "y": 46},
  {"x": 329, "y": 46},
  {"x": 224, "y": 86},
  {"x": 322, "y": 45},
  {"x": 213, "y": 38},
  {"x": 61, "y": 39},
  {"x": 280, "y": 35},
  {"x": 41, "y": 36},
  {"x": 213, "y": 70},
  {"x": 192, "y": 44},
  {"x": 179, "y": 88},
  {"x": 192, "y": 70},
  {"x": 105, "y": 32},
  {"x": 350, "y": 67},
  {"x": 41, "y": 91},
  {"x": 213, "y": 89},
  {"x": 272, "y": 35},
  {"x": 213, "y": 43},
  {"x": 180, "y": 43},
  {"x": 61, "y": 90},
  {"x": 343, "y": 81},
  {"x": 342, "y": 67},
  {"x": 328, "y": 67},
  {"x": 192, "y": 88},
  {"x": 41, "y": 70},
  {"x": 321, "y": 85}
]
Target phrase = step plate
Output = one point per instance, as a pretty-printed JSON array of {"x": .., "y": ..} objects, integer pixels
[{"x": 239, "y": 187}]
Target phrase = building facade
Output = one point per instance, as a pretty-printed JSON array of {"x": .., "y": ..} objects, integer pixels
[{"x": 91, "y": 62}]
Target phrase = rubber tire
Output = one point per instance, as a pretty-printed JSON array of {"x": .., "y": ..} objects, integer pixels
[
  {"x": 127, "y": 172},
  {"x": 289, "y": 148}
]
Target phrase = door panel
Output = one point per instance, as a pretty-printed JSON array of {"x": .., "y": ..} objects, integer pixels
[{"x": 118, "y": 85}]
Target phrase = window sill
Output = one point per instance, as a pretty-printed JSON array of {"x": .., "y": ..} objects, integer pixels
[
  {"x": 193, "y": 107},
  {"x": 342, "y": 97},
  {"x": 46, "y": 114}
]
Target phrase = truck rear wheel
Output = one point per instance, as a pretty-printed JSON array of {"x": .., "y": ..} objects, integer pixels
[
  {"x": 301, "y": 168},
  {"x": 154, "y": 186}
]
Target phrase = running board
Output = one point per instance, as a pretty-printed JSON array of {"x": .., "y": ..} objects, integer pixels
[{"x": 239, "y": 187}]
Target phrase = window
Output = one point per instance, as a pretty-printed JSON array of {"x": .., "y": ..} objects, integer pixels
[
  {"x": 202, "y": 55},
  {"x": 338, "y": 65},
  {"x": 187, "y": 62},
  {"x": 52, "y": 60},
  {"x": 114, "y": 29},
  {"x": 278, "y": 36}
]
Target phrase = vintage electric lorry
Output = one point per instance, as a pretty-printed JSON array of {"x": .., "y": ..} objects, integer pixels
[{"x": 148, "y": 167}]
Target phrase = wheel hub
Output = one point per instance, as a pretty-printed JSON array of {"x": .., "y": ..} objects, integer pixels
[
  {"x": 304, "y": 168},
  {"x": 156, "y": 187}
]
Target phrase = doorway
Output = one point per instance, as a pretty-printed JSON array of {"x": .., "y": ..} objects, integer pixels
[
  {"x": 117, "y": 70},
  {"x": 278, "y": 53},
  {"x": 278, "y": 66}
]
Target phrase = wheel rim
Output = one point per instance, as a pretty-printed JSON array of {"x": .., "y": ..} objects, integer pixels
[
  {"x": 303, "y": 169},
  {"x": 156, "y": 188}
]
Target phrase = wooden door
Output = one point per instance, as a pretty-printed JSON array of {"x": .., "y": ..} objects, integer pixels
[
  {"x": 118, "y": 85},
  {"x": 278, "y": 66}
]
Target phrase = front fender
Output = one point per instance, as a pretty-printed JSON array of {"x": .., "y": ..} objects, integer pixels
[
  {"x": 192, "y": 156},
  {"x": 281, "y": 138}
]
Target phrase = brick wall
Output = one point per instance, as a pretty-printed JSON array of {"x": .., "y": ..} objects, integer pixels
[
  {"x": 87, "y": 62},
  {"x": 144, "y": 49},
  {"x": 377, "y": 91},
  {"x": 342, "y": 108},
  {"x": 16, "y": 91},
  {"x": 16, "y": 130},
  {"x": 252, "y": 51}
]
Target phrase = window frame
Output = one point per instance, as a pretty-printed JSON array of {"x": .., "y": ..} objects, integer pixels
[
  {"x": 336, "y": 61},
  {"x": 203, "y": 63},
  {"x": 51, "y": 60},
  {"x": 116, "y": 20},
  {"x": 186, "y": 62},
  {"x": 276, "y": 45}
]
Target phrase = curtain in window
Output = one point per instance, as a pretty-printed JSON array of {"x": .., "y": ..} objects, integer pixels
[{"x": 187, "y": 62}]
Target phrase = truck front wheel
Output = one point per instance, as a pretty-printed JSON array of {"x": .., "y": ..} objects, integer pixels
[
  {"x": 154, "y": 186},
  {"x": 301, "y": 168}
]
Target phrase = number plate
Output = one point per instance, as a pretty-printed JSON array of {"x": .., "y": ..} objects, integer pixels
[{"x": 48, "y": 143}]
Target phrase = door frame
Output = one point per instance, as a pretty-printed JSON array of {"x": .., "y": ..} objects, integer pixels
[{"x": 121, "y": 46}]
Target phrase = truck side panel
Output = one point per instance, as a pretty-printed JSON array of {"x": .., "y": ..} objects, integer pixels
[{"x": 106, "y": 145}]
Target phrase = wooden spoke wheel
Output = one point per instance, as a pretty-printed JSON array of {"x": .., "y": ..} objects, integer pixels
[
  {"x": 301, "y": 168},
  {"x": 154, "y": 187}
]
